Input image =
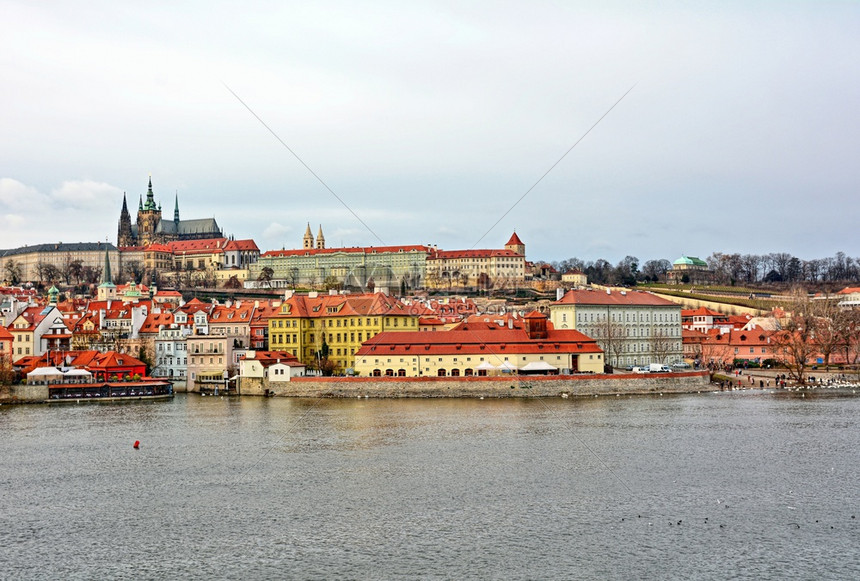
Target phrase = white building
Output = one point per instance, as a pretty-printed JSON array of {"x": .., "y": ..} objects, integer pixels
[
  {"x": 632, "y": 327},
  {"x": 171, "y": 352}
]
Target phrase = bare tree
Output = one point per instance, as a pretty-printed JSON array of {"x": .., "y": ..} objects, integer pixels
[
  {"x": 826, "y": 332},
  {"x": 73, "y": 271},
  {"x": 611, "y": 335},
  {"x": 794, "y": 343},
  {"x": 42, "y": 271},
  {"x": 134, "y": 270},
  {"x": 661, "y": 343}
]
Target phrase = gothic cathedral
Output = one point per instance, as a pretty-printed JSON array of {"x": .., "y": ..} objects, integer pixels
[{"x": 150, "y": 228}]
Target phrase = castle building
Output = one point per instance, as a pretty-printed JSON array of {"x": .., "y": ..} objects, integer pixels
[{"x": 151, "y": 228}]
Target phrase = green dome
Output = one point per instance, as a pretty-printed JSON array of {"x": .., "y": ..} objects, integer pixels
[{"x": 690, "y": 261}]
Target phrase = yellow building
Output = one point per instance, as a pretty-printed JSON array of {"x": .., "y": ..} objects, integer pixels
[
  {"x": 306, "y": 322},
  {"x": 527, "y": 345}
]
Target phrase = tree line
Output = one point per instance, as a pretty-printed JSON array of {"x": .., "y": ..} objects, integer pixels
[{"x": 728, "y": 269}]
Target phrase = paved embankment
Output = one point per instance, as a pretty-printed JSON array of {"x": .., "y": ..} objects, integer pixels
[{"x": 515, "y": 386}]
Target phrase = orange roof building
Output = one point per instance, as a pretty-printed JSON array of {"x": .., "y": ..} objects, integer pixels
[
  {"x": 532, "y": 345},
  {"x": 308, "y": 324}
]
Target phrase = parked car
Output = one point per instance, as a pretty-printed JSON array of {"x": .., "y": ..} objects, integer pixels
[{"x": 659, "y": 368}]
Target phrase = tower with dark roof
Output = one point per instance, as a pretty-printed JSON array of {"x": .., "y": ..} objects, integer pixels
[{"x": 125, "y": 236}]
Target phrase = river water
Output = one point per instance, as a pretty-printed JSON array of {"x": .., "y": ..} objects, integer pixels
[{"x": 707, "y": 486}]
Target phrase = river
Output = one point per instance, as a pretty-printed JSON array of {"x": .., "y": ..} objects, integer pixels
[{"x": 707, "y": 486}]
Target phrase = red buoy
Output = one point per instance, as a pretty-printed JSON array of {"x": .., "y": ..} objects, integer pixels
[{"x": 136, "y": 444}]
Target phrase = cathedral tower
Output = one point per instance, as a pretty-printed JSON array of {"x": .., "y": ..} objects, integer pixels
[
  {"x": 308, "y": 239},
  {"x": 148, "y": 217},
  {"x": 320, "y": 239},
  {"x": 124, "y": 237}
]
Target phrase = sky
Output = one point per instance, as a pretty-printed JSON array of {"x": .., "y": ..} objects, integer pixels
[{"x": 430, "y": 120}]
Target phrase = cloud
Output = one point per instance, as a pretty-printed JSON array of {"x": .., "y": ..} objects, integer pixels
[
  {"x": 85, "y": 194},
  {"x": 12, "y": 221},
  {"x": 18, "y": 196},
  {"x": 275, "y": 231}
]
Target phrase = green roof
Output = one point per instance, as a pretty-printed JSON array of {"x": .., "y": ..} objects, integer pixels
[{"x": 690, "y": 261}]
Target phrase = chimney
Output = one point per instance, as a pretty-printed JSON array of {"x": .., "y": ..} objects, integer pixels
[{"x": 559, "y": 293}]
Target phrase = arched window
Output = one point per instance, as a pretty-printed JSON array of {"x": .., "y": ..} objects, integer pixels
[
  {"x": 455, "y": 372},
  {"x": 389, "y": 373},
  {"x": 377, "y": 373},
  {"x": 401, "y": 373},
  {"x": 468, "y": 372},
  {"x": 442, "y": 373}
]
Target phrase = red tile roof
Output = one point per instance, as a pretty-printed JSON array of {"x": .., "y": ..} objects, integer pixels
[
  {"x": 233, "y": 245},
  {"x": 207, "y": 246},
  {"x": 267, "y": 358},
  {"x": 476, "y": 253},
  {"x": 488, "y": 341},
  {"x": 321, "y": 306},
  {"x": 629, "y": 298},
  {"x": 154, "y": 321},
  {"x": 701, "y": 312},
  {"x": 353, "y": 250},
  {"x": 515, "y": 240}
]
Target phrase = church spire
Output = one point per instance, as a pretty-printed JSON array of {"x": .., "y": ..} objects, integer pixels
[
  {"x": 320, "y": 238},
  {"x": 106, "y": 275},
  {"x": 150, "y": 197},
  {"x": 308, "y": 239},
  {"x": 140, "y": 204},
  {"x": 176, "y": 209}
]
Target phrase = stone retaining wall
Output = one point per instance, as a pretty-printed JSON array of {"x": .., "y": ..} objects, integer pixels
[{"x": 515, "y": 386}]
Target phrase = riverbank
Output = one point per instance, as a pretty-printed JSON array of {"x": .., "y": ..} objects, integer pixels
[{"x": 487, "y": 387}]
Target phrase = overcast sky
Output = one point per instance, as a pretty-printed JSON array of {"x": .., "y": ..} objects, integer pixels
[{"x": 430, "y": 120}]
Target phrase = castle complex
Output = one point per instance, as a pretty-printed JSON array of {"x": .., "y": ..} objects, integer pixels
[{"x": 151, "y": 228}]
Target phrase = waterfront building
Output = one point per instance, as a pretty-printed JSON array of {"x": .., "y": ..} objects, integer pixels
[
  {"x": 307, "y": 325},
  {"x": 266, "y": 372},
  {"x": 210, "y": 361},
  {"x": 632, "y": 327},
  {"x": 733, "y": 347},
  {"x": 528, "y": 345},
  {"x": 171, "y": 352}
]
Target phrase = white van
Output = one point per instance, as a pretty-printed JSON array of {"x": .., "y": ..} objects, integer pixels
[{"x": 659, "y": 368}]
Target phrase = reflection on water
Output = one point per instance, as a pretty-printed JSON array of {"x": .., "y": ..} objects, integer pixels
[{"x": 707, "y": 486}]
